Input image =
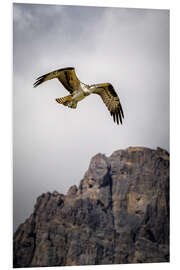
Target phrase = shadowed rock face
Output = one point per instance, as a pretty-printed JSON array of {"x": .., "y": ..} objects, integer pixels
[{"x": 118, "y": 214}]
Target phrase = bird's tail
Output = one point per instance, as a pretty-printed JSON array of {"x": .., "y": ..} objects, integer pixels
[{"x": 64, "y": 100}]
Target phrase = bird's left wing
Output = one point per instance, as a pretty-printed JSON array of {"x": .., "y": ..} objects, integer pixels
[
  {"x": 111, "y": 100},
  {"x": 66, "y": 76}
]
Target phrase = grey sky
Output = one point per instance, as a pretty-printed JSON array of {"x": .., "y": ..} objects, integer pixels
[{"x": 52, "y": 143}]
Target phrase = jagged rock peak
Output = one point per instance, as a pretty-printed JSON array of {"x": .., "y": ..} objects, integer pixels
[{"x": 119, "y": 213}]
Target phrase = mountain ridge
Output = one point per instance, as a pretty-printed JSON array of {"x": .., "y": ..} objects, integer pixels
[{"x": 119, "y": 213}]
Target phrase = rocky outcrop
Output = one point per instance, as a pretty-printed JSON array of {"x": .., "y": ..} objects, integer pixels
[{"x": 118, "y": 214}]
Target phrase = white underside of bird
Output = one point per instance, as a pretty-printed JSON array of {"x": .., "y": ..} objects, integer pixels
[
  {"x": 78, "y": 91},
  {"x": 79, "y": 95}
]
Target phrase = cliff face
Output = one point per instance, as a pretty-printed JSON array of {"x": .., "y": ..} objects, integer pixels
[{"x": 118, "y": 214}]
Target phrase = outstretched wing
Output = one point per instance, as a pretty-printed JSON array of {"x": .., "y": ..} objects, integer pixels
[
  {"x": 66, "y": 76},
  {"x": 111, "y": 100}
]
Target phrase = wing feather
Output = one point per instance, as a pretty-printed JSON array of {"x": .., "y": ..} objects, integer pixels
[
  {"x": 111, "y": 100},
  {"x": 66, "y": 76}
]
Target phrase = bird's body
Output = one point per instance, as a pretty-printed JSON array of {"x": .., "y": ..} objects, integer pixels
[
  {"x": 78, "y": 91},
  {"x": 78, "y": 95},
  {"x": 81, "y": 93}
]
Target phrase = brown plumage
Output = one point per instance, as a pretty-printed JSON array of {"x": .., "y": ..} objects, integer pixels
[{"x": 111, "y": 100}]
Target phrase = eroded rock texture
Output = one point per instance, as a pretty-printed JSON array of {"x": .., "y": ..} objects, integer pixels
[{"x": 118, "y": 214}]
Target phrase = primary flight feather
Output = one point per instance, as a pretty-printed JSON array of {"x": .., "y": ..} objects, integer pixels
[{"x": 79, "y": 91}]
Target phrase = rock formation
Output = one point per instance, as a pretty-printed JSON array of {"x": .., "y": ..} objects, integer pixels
[{"x": 118, "y": 214}]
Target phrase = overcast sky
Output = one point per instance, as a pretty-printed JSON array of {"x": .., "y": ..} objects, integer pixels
[{"x": 54, "y": 144}]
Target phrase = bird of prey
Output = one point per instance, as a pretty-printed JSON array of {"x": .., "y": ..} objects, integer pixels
[{"x": 79, "y": 91}]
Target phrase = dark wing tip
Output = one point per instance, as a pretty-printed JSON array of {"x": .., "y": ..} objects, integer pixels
[
  {"x": 117, "y": 118},
  {"x": 121, "y": 111},
  {"x": 38, "y": 81},
  {"x": 114, "y": 117},
  {"x": 120, "y": 115},
  {"x": 117, "y": 115}
]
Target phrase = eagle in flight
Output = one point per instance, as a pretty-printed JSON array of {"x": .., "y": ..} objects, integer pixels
[{"x": 79, "y": 91}]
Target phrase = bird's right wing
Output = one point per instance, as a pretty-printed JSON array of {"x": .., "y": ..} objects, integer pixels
[
  {"x": 66, "y": 76},
  {"x": 110, "y": 99}
]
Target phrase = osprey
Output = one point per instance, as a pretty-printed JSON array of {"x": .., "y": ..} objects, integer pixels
[{"x": 79, "y": 91}]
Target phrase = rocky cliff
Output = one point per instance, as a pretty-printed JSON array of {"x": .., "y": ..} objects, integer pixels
[{"x": 118, "y": 214}]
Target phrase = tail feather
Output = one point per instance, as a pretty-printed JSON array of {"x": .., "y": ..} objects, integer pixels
[{"x": 64, "y": 100}]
